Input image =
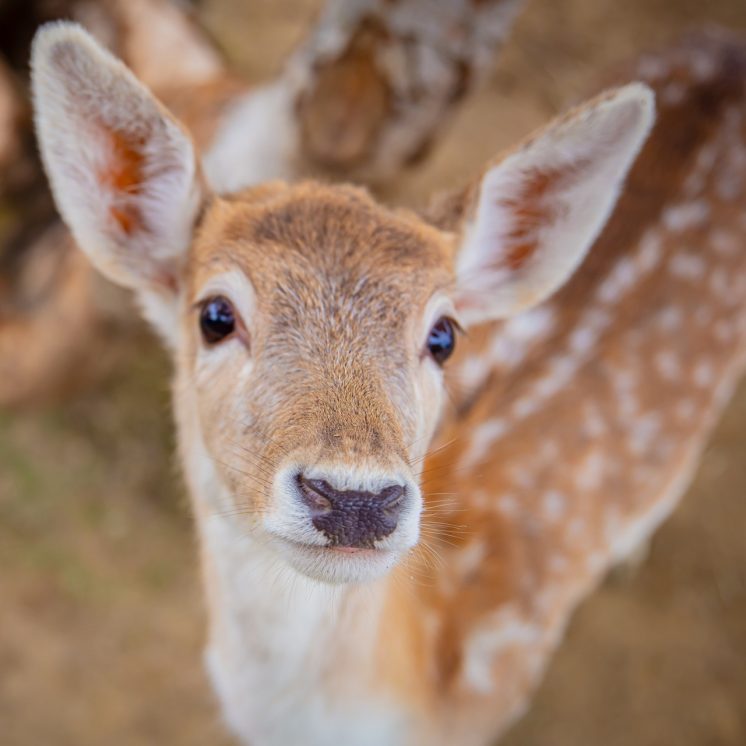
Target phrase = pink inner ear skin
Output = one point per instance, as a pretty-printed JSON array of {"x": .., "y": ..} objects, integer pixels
[{"x": 124, "y": 177}]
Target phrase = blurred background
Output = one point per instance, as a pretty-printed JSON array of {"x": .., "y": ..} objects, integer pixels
[{"x": 101, "y": 620}]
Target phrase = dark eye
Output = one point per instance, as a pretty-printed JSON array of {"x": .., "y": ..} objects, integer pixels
[
  {"x": 442, "y": 340},
  {"x": 217, "y": 320}
]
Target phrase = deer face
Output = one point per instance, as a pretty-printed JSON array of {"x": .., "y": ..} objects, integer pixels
[
  {"x": 309, "y": 325},
  {"x": 316, "y": 373}
]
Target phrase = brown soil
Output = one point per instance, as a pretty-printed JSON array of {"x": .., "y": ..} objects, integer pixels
[{"x": 101, "y": 621}]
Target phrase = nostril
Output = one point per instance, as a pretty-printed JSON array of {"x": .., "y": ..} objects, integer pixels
[
  {"x": 316, "y": 493},
  {"x": 392, "y": 498}
]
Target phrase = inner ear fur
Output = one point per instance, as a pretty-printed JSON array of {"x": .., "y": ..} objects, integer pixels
[
  {"x": 526, "y": 223},
  {"x": 123, "y": 171}
]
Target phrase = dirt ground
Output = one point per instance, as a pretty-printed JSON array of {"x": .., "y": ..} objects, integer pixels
[{"x": 101, "y": 620}]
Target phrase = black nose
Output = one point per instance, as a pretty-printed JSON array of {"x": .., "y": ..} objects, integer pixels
[{"x": 352, "y": 518}]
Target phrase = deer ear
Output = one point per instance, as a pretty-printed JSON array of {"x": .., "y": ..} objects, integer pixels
[
  {"x": 123, "y": 171},
  {"x": 533, "y": 216}
]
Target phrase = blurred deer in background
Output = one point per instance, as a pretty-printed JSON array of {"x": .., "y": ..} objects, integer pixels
[
  {"x": 53, "y": 309},
  {"x": 363, "y": 589},
  {"x": 363, "y": 97}
]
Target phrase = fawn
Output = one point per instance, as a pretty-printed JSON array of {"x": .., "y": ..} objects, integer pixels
[{"x": 361, "y": 588}]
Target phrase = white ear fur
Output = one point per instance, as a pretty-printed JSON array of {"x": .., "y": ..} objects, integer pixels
[
  {"x": 123, "y": 172},
  {"x": 540, "y": 209}
]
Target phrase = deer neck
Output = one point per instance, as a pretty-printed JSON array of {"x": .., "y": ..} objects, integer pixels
[{"x": 268, "y": 624}]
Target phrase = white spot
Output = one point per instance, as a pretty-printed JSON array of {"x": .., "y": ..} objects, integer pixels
[
  {"x": 685, "y": 216},
  {"x": 649, "y": 253},
  {"x": 482, "y": 439},
  {"x": 629, "y": 270},
  {"x": 473, "y": 371},
  {"x": 582, "y": 340},
  {"x": 590, "y": 471},
  {"x": 687, "y": 265},
  {"x": 514, "y": 339},
  {"x": 669, "y": 318},
  {"x": 593, "y": 423},
  {"x": 704, "y": 374},
  {"x": 694, "y": 184},
  {"x": 702, "y": 65},
  {"x": 469, "y": 559},
  {"x": 706, "y": 157},
  {"x": 643, "y": 433},
  {"x": 619, "y": 281},
  {"x": 561, "y": 368},
  {"x": 560, "y": 372},
  {"x": 625, "y": 384},
  {"x": 524, "y": 407},
  {"x": 667, "y": 364},
  {"x": 522, "y": 477},
  {"x": 554, "y": 504},
  {"x": 508, "y": 505},
  {"x": 502, "y": 632}
]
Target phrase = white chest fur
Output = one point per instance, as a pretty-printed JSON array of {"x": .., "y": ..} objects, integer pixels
[{"x": 292, "y": 660}]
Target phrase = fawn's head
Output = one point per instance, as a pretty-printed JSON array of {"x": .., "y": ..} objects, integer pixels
[{"x": 309, "y": 324}]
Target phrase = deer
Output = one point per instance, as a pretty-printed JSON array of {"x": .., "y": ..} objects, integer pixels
[{"x": 383, "y": 565}]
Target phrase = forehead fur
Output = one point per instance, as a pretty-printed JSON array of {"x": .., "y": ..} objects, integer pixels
[{"x": 333, "y": 235}]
